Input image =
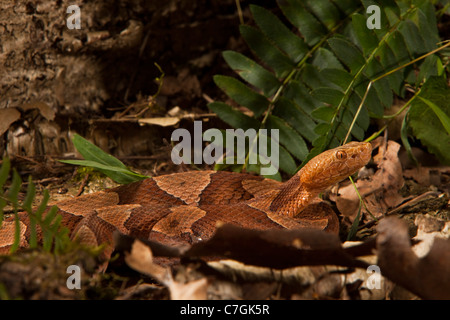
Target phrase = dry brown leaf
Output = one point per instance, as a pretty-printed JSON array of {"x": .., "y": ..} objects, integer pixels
[
  {"x": 161, "y": 121},
  {"x": 278, "y": 249},
  {"x": 193, "y": 290},
  {"x": 8, "y": 116},
  {"x": 141, "y": 259},
  {"x": 380, "y": 192},
  {"x": 44, "y": 109},
  {"x": 389, "y": 175},
  {"x": 428, "y": 277}
]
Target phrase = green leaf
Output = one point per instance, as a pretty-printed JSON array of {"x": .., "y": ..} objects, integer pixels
[
  {"x": 354, "y": 228},
  {"x": 299, "y": 94},
  {"x": 13, "y": 194},
  {"x": 17, "y": 233},
  {"x": 297, "y": 118},
  {"x": 404, "y": 138},
  {"x": 430, "y": 67},
  {"x": 340, "y": 78},
  {"x": 348, "y": 53},
  {"x": 266, "y": 51},
  {"x": 311, "y": 29},
  {"x": 322, "y": 129},
  {"x": 43, "y": 205},
  {"x": 4, "y": 171},
  {"x": 363, "y": 117},
  {"x": 411, "y": 34},
  {"x": 277, "y": 32},
  {"x": 431, "y": 127},
  {"x": 287, "y": 163},
  {"x": 289, "y": 137},
  {"x": 51, "y": 214},
  {"x": 367, "y": 39},
  {"x": 427, "y": 29},
  {"x": 2, "y": 206},
  {"x": 31, "y": 193},
  {"x": 252, "y": 72},
  {"x": 101, "y": 167},
  {"x": 396, "y": 43},
  {"x": 102, "y": 161},
  {"x": 313, "y": 78},
  {"x": 324, "y": 113},
  {"x": 384, "y": 91},
  {"x": 242, "y": 94},
  {"x": 234, "y": 118},
  {"x": 328, "y": 95},
  {"x": 445, "y": 120},
  {"x": 347, "y": 6},
  {"x": 389, "y": 62},
  {"x": 325, "y": 59},
  {"x": 326, "y": 11}
]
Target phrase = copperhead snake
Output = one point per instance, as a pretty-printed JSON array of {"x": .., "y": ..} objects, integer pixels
[{"x": 184, "y": 208}]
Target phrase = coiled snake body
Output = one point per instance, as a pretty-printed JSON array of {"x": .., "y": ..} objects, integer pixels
[{"x": 185, "y": 207}]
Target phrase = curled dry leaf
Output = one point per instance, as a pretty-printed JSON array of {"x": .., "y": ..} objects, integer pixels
[
  {"x": 428, "y": 228},
  {"x": 428, "y": 276},
  {"x": 380, "y": 191},
  {"x": 278, "y": 249},
  {"x": 140, "y": 258}
]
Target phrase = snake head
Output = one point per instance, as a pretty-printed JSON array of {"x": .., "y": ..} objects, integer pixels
[{"x": 335, "y": 165}]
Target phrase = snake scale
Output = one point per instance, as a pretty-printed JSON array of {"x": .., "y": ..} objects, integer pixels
[{"x": 184, "y": 208}]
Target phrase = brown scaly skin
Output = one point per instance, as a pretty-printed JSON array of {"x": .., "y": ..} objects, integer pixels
[{"x": 186, "y": 207}]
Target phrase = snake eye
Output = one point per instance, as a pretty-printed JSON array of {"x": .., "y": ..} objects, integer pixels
[{"x": 341, "y": 155}]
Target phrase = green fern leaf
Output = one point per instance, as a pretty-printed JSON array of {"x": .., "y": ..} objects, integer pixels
[
  {"x": 311, "y": 28},
  {"x": 289, "y": 137},
  {"x": 242, "y": 94},
  {"x": 293, "y": 46},
  {"x": 252, "y": 72},
  {"x": 266, "y": 51},
  {"x": 234, "y": 118},
  {"x": 316, "y": 82}
]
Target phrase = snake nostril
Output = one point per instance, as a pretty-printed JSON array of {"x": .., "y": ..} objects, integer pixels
[{"x": 353, "y": 156}]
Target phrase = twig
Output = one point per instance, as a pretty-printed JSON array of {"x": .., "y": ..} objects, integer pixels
[{"x": 83, "y": 184}]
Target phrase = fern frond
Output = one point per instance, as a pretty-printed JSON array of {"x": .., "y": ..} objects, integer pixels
[
  {"x": 309, "y": 79},
  {"x": 54, "y": 235}
]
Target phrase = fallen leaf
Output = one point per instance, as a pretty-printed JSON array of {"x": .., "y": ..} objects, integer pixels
[
  {"x": 380, "y": 191},
  {"x": 160, "y": 121},
  {"x": 193, "y": 290},
  {"x": 8, "y": 116},
  {"x": 45, "y": 110},
  {"x": 427, "y": 277},
  {"x": 278, "y": 249},
  {"x": 141, "y": 259}
]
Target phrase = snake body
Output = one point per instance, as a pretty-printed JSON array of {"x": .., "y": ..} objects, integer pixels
[{"x": 184, "y": 208}]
